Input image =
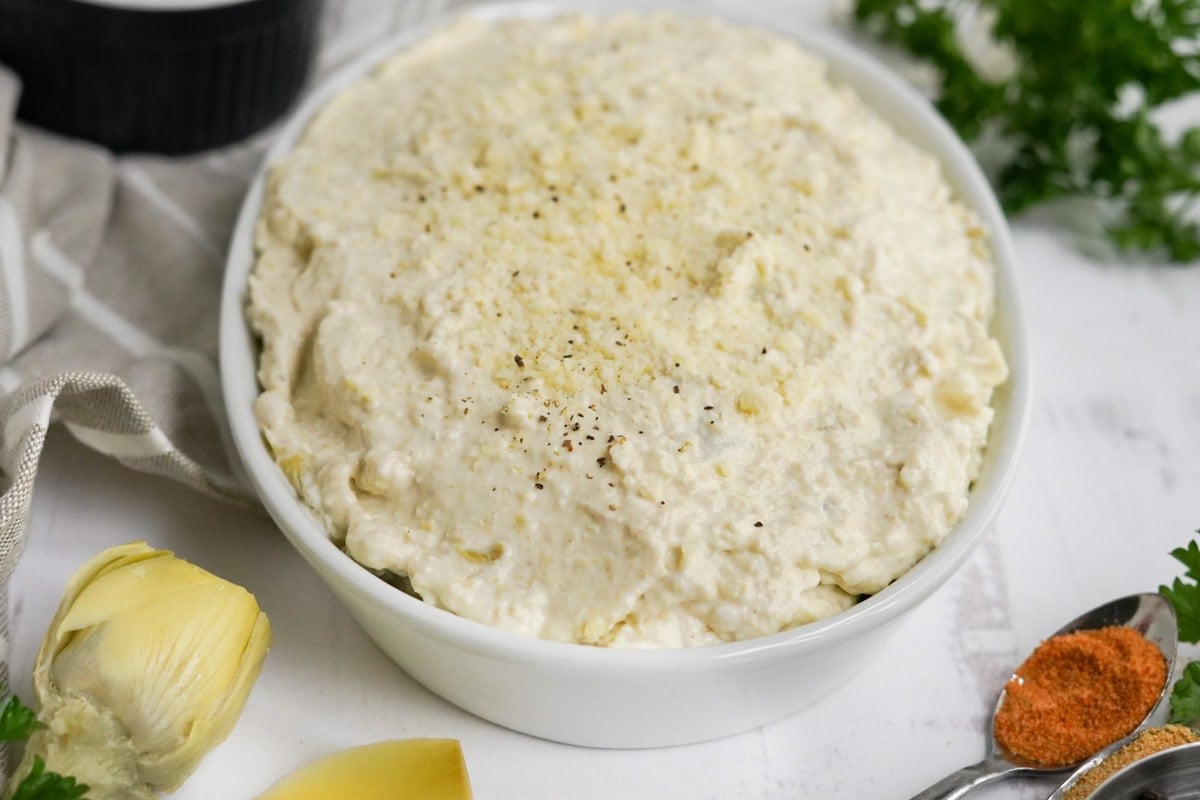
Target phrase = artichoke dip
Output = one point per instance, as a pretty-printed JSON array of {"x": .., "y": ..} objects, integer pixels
[{"x": 632, "y": 331}]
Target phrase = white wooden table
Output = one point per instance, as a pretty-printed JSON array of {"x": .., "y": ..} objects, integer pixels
[{"x": 1109, "y": 483}]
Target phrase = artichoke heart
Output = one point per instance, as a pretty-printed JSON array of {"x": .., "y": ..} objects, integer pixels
[
  {"x": 146, "y": 666},
  {"x": 409, "y": 769}
]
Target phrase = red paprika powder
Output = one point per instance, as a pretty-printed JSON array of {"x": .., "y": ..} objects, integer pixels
[{"x": 1078, "y": 693}]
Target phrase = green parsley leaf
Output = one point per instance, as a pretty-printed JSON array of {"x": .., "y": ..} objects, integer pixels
[
  {"x": 1189, "y": 556},
  {"x": 1076, "y": 114},
  {"x": 1184, "y": 595},
  {"x": 42, "y": 785},
  {"x": 17, "y": 721},
  {"x": 1185, "y": 696}
]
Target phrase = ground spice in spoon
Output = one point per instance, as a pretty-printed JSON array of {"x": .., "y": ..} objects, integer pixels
[
  {"x": 1078, "y": 693},
  {"x": 1146, "y": 743}
]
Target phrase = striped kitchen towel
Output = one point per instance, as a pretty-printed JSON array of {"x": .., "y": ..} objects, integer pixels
[{"x": 110, "y": 273}]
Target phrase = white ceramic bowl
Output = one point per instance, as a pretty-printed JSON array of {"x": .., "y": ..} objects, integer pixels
[{"x": 618, "y": 698}]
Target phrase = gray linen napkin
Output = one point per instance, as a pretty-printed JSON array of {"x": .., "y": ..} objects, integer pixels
[{"x": 110, "y": 273}]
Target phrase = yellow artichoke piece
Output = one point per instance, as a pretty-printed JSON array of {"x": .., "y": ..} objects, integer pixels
[
  {"x": 146, "y": 667},
  {"x": 411, "y": 769}
]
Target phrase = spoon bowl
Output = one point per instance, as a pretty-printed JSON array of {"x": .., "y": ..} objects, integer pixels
[
  {"x": 1173, "y": 774},
  {"x": 1150, "y": 615}
]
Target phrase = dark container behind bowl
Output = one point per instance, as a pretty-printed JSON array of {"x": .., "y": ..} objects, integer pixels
[{"x": 162, "y": 78}]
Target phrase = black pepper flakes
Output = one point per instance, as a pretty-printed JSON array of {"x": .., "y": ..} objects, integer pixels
[
  {"x": 758, "y": 524},
  {"x": 519, "y": 361}
]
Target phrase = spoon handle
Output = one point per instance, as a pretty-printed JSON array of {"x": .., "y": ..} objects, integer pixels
[{"x": 957, "y": 784}]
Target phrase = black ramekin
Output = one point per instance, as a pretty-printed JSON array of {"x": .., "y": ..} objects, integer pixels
[{"x": 162, "y": 79}]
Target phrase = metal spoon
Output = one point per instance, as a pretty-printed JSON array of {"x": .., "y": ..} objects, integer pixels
[
  {"x": 1149, "y": 614},
  {"x": 1171, "y": 775}
]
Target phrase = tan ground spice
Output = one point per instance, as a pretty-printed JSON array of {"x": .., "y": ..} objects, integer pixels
[
  {"x": 1078, "y": 693},
  {"x": 1146, "y": 743}
]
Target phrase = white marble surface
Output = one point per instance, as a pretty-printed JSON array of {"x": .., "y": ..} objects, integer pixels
[{"x": 1108, "y": 484}]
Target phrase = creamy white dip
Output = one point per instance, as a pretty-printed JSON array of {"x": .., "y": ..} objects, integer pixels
[{"x": 631, "y": 331}]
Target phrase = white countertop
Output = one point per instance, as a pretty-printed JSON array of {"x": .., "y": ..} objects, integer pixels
[{"x": 1108, "y": 485}]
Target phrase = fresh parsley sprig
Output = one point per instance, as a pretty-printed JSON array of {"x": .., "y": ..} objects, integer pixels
[
  {"x": 42, "y": 785},
  {"x": 1185, "y": 695},
  {"x": 17, "y": 723},
  {"x": 1184, "y": 592},
  {"x": 1076, "y": 113},
  {"x": 1184, "y": 595}
]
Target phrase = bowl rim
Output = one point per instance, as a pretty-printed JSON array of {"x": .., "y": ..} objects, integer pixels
[{"x": 905, "y": 109}]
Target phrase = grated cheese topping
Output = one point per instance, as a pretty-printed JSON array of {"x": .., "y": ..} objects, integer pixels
[{"x": 628, "y": 330}]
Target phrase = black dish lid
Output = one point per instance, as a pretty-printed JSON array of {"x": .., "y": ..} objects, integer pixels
[{"x": 166, "y": 77}]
